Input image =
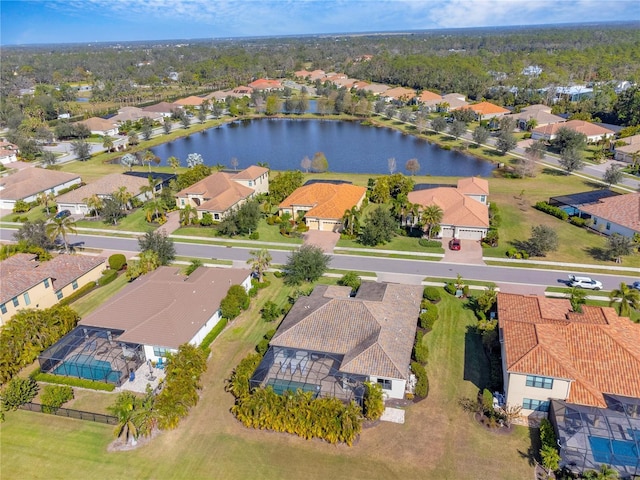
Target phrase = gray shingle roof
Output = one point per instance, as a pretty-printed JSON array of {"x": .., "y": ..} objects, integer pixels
[{"x": 374, "y": 331}]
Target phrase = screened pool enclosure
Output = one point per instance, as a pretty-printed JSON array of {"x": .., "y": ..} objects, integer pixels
[
  {"x": 94, "y": 354},
  {"x": 589, "y": 437}
]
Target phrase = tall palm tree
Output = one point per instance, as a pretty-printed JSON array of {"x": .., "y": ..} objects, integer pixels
[
  {"x": 124, "y": 410},
  {"x": 61, "y": 227},
  {"x": 123, "y": 197},
  {"x": 107, "y": 143},
  {"x": 431, "y": 216},
  {"x": 154, "y": 209},
  {"x": 351, "y": 219},
  {"x": 94, "y": 203},
  {"x": 150, "y": 188},
  {"x": 260, "y": 261},
  {"x": 628, "y": 298},
  {"x": 187, "y": 215},
  {"x": 174, "y": 163}
]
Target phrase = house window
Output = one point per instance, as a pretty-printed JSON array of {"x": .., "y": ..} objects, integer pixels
[
  {"x": 537, "y": 405},
  {"x": 15, "y": 301},
  {"x": 250, "y": 183},
  {"x": 384, "y": 383},
  {"x": 608, "y": 225},
  {"x": 483, "y": 198},
  {"x": 595, "y": 221},
  {"x": 27, "y": 300},
  {"x": 59, "y": 294},
  {"x": 3, "y": 308},
  {"x": 216, "y": 216},
  {"x": 74, "y": 284},
  {"x": 160, "y": 351},
  {"x": 182, "y": 202},
  {"x": 539, "y": 382},
  {"x": 46, "y": 283}
]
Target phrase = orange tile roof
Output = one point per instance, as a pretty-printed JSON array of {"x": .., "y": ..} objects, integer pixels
[
  {"x": 621, "y": 209},
  {"x": 597, "y": 350},
  {"x": 327, "y": 200},
  {"x": 262, "y": 83},
  {"x": 400, "y": 93},
  {"x": 487, "y": 108},
  {"x": 426, "y": 95},
  {"x": 457, "y": 208},
  {"x": 192, "y": 100},
  {"x": 473, "y": 185},
  {"x": 250, "y": 173},
  {"x": 219, "y": 192},
  {"x": 580, "y": 126}
]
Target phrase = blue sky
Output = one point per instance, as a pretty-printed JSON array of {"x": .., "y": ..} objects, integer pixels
[{"x": 67, "y": 21}]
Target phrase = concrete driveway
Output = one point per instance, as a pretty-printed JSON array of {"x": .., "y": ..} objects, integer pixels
[{"x": 470, "y": 252}]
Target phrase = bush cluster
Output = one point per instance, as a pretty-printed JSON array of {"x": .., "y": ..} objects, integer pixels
[
  {"x": 373, "y": 401},
  {"x": 423, "y": 242},
  {"x": 212, "y": 335},
  {"x": 75, "y": 186},
  {"x": 422, "y": 385},
  {"x": 450, "y": 288},
  {"x": 17, "y": 392},
  {"x": 38, "y": 376},
  {"x": 551, "y": 210},
  {"x": 578, "y": 222},
  {"x": 54, "y": 396},
  {"x": 237, "y": 299},
  {"x": 513, "y": 252},
  {"x": 108, "y": 276},
  {"x": 82, "y": 291},
  {"x": 429, "y": 316},
  {"x": 270, "y": 311},
  {"x": 263, "y": 344},
  {"x": 431, "y": 293},
  {"x": 117, "y": 261},
  {"x": 420, "y": 350}
]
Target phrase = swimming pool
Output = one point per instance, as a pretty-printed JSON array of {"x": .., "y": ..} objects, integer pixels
[
  {"x": 614, "y": 452},
  {"x": 280, "y": 386},
  {"x": 85, "y": 366}
]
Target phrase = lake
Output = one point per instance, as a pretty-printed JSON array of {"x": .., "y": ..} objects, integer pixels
[{"x": 348, "y": 146}]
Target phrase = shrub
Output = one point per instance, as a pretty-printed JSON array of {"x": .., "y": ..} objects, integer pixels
[
  {"x": 108, "y": 276},
  {"x": 117, "y": 261},
  {"x": 487, "y": 402},
  {"x": 236, "y": 300},
  {"x": 75, "y": 186},
  {"x": 278, "y": 274},
  {"x": 423, "y": 242},
  {"x": 373, "y": 401},
  {"x": 82, "y": 291},
  {"x": 422, "y": 385},
  {"x": 54, "y": 396},
  {"x": 262, "y": 346},
  {"x": 270, "y": 311},
  {"x": 431, "y": 293},
  {"x": 429, "y": 317},
  {"x": 254, "y": 236},
  {"x": 21, "y": 206},
  {"x": 18, "y": 392},
  {"x": 551, "y": 210},
  {"x": 578, "y": 222},
  {"x": 206, "y": 220},
  {"x": 212, "y": 335},
  {"x": 450, "y": 288},
  {"x": 38, "y": 376},
  {"x": 420, "y": 350},
  {"x": 350, "y": 279}
]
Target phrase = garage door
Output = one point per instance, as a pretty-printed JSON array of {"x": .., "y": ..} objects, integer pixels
[
  {"x": 469, "y": 234},
  {"x": 446, "y": 232}
]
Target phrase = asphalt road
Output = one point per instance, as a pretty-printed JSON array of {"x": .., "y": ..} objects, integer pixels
[{"x": 421, "y": 268}]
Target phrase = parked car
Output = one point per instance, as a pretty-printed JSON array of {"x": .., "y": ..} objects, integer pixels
[
  {"x": 63, "y": 214},
  {"x": 584, "y": 282},
  {"x": 636, "y": 285},
  {"x": 454, "y": 244}
]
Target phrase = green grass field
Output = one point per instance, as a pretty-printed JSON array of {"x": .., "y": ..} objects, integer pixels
[{"x": 438, "y": 439}]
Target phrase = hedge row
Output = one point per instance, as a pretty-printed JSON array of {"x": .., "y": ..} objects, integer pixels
[
  {"x": 78, "y": 293},
  {"x": 212, "y": 335},
  {"x": 108, "y": 276},
  {"x": 38, "y": 376},
  {"x": 422, "y": 386},
  {"x": 551, "y": 210}
]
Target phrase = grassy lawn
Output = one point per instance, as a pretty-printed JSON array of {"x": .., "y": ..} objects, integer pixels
[
  {"x": 397, "y": 243},
  {"x": 133, "y": 222},
  {"x": 268, "y": 233},
  {"x": 92, "y": 300},
  {"x": 438, "y": 440}
]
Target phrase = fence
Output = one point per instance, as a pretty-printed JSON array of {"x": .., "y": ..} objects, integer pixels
[{"x": 70, "y": 413}]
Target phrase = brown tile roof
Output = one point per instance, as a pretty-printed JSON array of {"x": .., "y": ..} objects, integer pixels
[
  {"x": 400, "y": 93},
  {"x": 98, "y": 124},
  {"x": 458, "y": 209},
  {"x": 104, "y": 186},
  {"x": 327, "y": 200},
  {"x": 192, "y": 100},
  {"x": 473, "y": 186},
  {"x": 31, "y": 181},
  {"x": 376, "y": 88},
  {"x": 219, "y": 192},
  {"x": 580, "y": 126},
  {"x": 133, "y": 114},
  {"x": 597, "y": 350},
  {"x": 250, "y": 173},
  {"x": 21, "y": 272},
  {"x": 621, "y": 209},
  {"x": 162, "y": 107},
  {"x": 375, "y": 336},
  {"x": 166, "y": 308}
]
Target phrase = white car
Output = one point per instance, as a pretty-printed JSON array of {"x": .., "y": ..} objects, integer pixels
[{"x": 584, "y": 282}]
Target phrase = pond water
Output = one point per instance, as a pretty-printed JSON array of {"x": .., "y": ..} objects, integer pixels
[{"x": 348, "y": 146}]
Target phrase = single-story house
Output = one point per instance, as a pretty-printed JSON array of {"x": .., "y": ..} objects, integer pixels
[
  {"x": 149, "y": 318},
  {"x": 191, "y": 101},
  {"x": 465, "y": 211},
  {"x": 8, "y": 153},
  {"x": 486, "y": 110},
  {"x": 540, "y": 114},
  {"x": 584, "y": 361},
  {"x": 311, "y": 76},
  {"x": 221, "y": 192},
  {"x": 266, "y": 84},
  {"x": 616, "y": 214},
  {"x": 330, "y": 343},
  {"x": 426, "y": 96},
  {"x": 323, "y": 204},
  {"x": 446, "y": 103},
  {"x": 345, "y": 82},
  {"x": 594, "y": 133},
  {"x": 630, "y": 151},
  {"x": 27, "y": 184},
  {"x": 133, "y": 114},
  {"x": 28, "y": 283},
  {"x": 376, "y": 89},
  {"x": 400, "y": 94},
  {"x": 76, "y": 200},
  {"x": 573, "y": 93},
  {"x": 100, "y": 126},
  {"x": 217, "y": 96},
  {"x": 163, "y": 108}
]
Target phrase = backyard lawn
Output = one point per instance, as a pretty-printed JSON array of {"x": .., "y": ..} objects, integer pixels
[{"x": 438, "y": 439}]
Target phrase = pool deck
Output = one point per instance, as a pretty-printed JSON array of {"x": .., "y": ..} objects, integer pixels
[{"x": 143, "y": 378}]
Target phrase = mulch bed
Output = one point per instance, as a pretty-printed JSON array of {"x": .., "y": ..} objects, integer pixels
[{"x": 499, "y": 430}]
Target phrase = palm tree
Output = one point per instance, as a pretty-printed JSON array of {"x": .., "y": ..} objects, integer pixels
[
  {"x": 628, "y": 298},
  {"x": 44, "y": 198},
  {"x": 154, "y": 209},
  {"x": 432, "y": 215},
  {"x": 94, "y": 203},
  {"x": 149, "y": 188},
  {"x": 147, "y": 157},
  {"x": 187, "y": 215},
  {"x": 605, "y": 473},
  {"x": 260, "y": 261},
  {"x": 123, "y": 197},
  {"x": 124, "y": 410},
  {"x": 61, "y": 227},
  {"x": 107, "y": 143},
  {"x": 174, "y": 162},
  {"x": 351, "y": 219}
]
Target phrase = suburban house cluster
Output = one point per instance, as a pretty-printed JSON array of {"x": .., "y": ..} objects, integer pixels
[
  {"x": 580, "y": 369},
  {"x": 28, "y": 283},
  {"x": 28, "y": 184},
  {"x": 331, "y": 342}
]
